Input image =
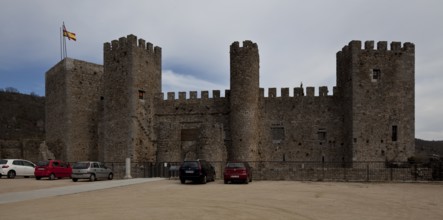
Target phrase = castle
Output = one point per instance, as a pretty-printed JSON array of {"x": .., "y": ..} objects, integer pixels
[{"x": 117, "y": 110}]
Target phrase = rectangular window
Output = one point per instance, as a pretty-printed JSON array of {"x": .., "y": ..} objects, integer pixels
[
  {"x": 278, "y": 134},
  {"x": 394, "y": 133},
  {"x": 321, "y": 134},
  {"x": 189, "y": 134},
  {"x": 376, "y": 74},
  {"x": 141, "y": 94}
]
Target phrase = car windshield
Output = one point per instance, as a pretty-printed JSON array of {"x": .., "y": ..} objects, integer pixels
[
  {"x": 43, "y": 163},
  {"x": 3, "y": 161},
  {"x": 235, "y": 165},
  {"x": 80, "y": 166},
  {"x": 190, "y": 164}
]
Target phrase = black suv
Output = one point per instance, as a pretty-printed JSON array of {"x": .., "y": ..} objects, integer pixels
[{"x": 197, "y": 171}]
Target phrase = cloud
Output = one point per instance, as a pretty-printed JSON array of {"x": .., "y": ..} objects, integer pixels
[
  {"x": 297, "y": 40},
  {"x": 175, "y": 82}
]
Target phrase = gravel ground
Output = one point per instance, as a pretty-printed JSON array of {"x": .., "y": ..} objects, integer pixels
[{"x": 168, "y": 199}]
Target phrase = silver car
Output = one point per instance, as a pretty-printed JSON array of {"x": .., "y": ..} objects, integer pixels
[{"x": 91, "y": 170}]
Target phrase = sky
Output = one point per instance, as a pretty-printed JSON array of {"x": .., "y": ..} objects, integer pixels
[{"x": 297, "y": 40}]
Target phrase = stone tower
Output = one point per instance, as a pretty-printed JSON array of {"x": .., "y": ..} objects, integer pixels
[
  {"x": 132, "y": 72},
  {"x": 377, "y": 86},
  {"x": 72, "y": 92},
  {"x": 244, "y": 101}
]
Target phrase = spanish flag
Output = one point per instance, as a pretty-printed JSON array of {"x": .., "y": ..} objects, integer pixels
[{"x": 69, "y": 35}]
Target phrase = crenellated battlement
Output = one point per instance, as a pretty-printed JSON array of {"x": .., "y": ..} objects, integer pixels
[
  {"x": 247, "y": 45},
  {"x": 118, "y": 110},
  {"x": 272, "y": 93},
  {"x": 192, "y": 95},
  {"x": 298, "y": 92},
  {"x": 131, "y": 41},
  {"x": 381, "y": 46}
]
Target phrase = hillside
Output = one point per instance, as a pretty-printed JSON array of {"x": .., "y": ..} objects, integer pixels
[
  {"x": 21, "y": 116},
  {"x": 427, "y": 148}
]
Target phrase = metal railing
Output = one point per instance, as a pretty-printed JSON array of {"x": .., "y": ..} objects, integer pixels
[{"x": 300, "y": 170}]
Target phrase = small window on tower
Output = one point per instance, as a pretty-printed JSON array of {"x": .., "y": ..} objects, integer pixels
[
  {"x": 141, "y": 94},
  {"x": 376, "y": 74},
  {"x": 278, "y": 134},
  {"x": 321, "y": 134},
  {"x": 394, "y": 133}
]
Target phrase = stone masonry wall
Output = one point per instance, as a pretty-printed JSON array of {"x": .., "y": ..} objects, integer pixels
[
  {"x": 301, "y": 128},
  {"x": 192, "y": 128},
  {"x": 118, "y": 110},
  {"x": 73, "y": 96},
  {"x": 380, "y": 103},
  {"x": 133, "y": 77},
  {"x": 244, "y": 101},
  {"x": 56, "y": 125}
]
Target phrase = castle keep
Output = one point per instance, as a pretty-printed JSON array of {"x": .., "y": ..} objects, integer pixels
[{"x": 118, "y": 110}]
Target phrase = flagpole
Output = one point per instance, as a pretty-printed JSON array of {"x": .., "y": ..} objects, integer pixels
[
  {"x": 61, "y": 44},
  {"x": 65, "y": 54},
  {"x": 66, "y": 50}
]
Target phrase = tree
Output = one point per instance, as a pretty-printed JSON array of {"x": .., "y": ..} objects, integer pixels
[{"x": 11, "y": 90}]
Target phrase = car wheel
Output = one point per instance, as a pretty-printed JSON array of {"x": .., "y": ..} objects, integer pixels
[
  {"x": 52, "y": 176},
  {"x": 38, "y": 177},
  {"x": 11, "y": 174},
  {"x": 204, "y": 179},
  {"x": 182, "y": 181},
  {"x": 92, "y": 178},
  {"x": 74, "y": 180},
  {"x": 110, "y": 176},
  {"x": 0, "y": 175},
  {"x": 246, "y": 181}
]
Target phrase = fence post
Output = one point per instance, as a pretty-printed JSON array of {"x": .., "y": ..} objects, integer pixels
[
  {"x": 145, "y": 169},
  {"x": 367, "y": 172},
  {"x": 322, "y": 170},
  {"x": 415, "y": 172},
  {"x": 391, "y": 173},
  {"x": 128, "y": 169}
]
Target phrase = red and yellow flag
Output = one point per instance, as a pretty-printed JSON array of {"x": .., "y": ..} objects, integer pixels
[{"x": 69, "y": 35}]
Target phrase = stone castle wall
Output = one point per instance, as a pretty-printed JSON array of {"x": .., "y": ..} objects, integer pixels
[
  {"x": 73, "y": 91},
  {"x": 380, "y": 108},
  {"x": 131, "y": 118},
  {"x": 133, "y": 77}
]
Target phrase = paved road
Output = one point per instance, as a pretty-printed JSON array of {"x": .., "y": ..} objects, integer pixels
[
  {"x": 168, "y": 199},
  {"x": 65, "y": 190}
]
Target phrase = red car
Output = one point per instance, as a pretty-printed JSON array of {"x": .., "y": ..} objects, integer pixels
[
  {"x": 237, "y": 172},
  {"x": 52, "y": 169}
]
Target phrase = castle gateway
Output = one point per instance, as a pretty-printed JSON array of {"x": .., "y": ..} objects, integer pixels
[{"x": 118, "y": 110}]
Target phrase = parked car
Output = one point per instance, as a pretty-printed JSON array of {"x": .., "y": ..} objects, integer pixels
[
  {"x": 16, "y": 167},
  {"x": 92, "y": 170},
  {"x": 237, "y": 172},
  {"x": 197, "y": 171},
  {"x": 52, "y": 169}
]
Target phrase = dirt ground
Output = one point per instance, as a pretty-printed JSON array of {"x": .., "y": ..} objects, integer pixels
[{"x": 168, "y": 199}]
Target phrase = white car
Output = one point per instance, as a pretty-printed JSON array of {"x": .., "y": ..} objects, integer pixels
[{"x": 16, "y": 167}]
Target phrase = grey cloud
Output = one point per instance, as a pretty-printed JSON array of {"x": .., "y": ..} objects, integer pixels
[{"x": 297, "y": 39}]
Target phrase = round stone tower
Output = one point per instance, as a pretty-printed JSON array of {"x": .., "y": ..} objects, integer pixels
[{"x": 244, "y": 101}]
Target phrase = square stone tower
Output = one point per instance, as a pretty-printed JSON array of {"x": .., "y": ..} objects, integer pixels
[
  {"x": 132, "y": 78},
  {"x": 377, "y": 88},
  {"x": 73, "y": 90}
]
